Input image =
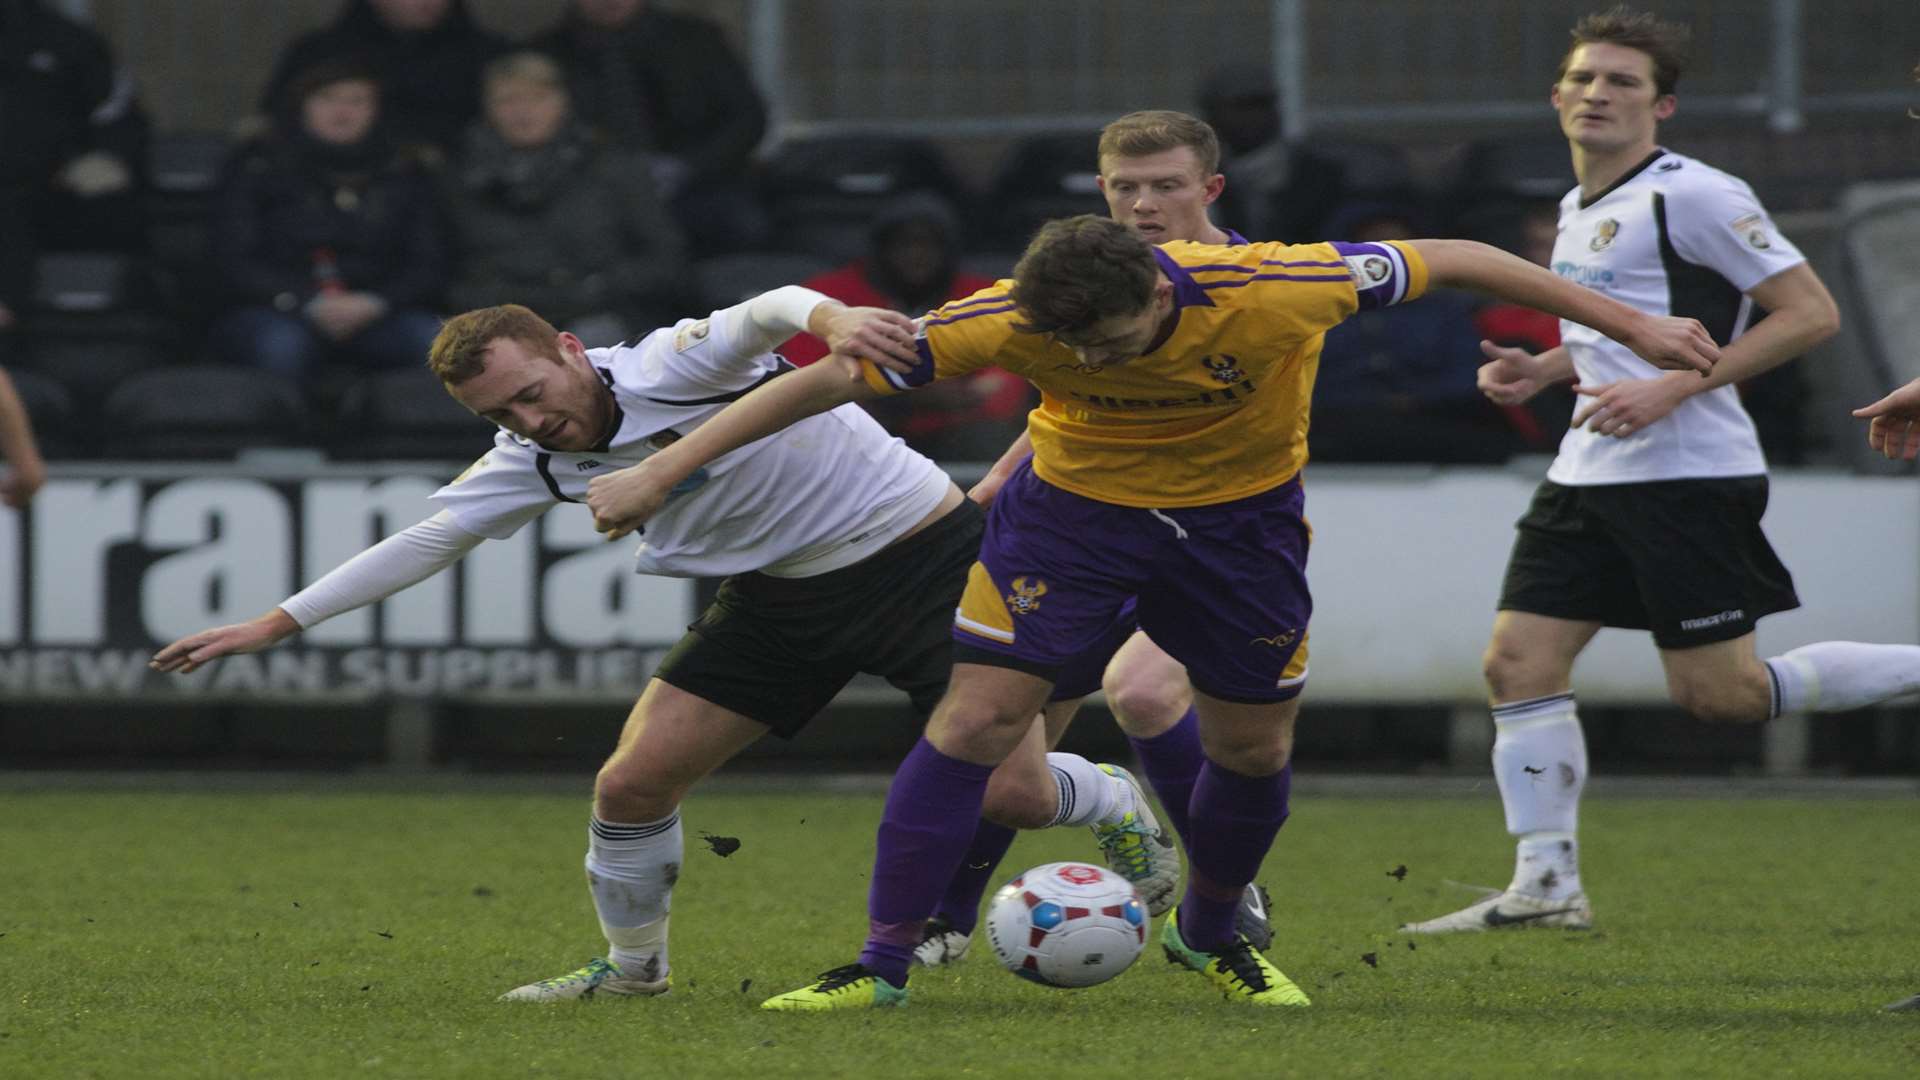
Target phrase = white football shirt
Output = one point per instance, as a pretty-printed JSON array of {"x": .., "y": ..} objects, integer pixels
[
  {"x": 816, "y": 496},
  {"x": 1673, "y": 237}
]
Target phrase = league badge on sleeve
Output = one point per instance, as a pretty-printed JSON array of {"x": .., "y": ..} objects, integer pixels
[{"x": 1754, "y": 229}]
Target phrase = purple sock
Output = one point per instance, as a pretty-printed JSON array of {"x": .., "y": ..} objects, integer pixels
[
  {"x": 1172, "y": 761},
  {"x": 932, "y": 811},
  {"x": 961, "y": 905},
  {"x": 1235, "y": 819}
]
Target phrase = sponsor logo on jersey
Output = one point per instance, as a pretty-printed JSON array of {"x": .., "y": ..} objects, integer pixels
[
  {"x": 1603, "y": 235},
  {"x": 691, "y": 334},
  {"x": 1753, "y": 229},
  {"x": 1593, "y": 277},
  {"x": 583, "y": 466},
  {"x": 1226, "y": 369},
  {"x": 1026, "y": 595}
]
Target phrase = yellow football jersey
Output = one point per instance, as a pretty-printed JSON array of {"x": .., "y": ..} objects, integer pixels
[{"x": 1219, "y": 410}]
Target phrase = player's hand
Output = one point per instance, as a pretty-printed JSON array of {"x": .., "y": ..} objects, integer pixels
[
  {"x": 1675, "y": 344},
  {"x": 873, "y": 334},
  {"x": 623, "y": 501},
  {"x": 194, "y": 650},
  {"x": 19, "y": 481},
  {"x": 989, "y": 486},
  {"x": 1625, "y": 408},
  {"x": 1511, "y": 376},
  {"x": 1894, "y": 417}
]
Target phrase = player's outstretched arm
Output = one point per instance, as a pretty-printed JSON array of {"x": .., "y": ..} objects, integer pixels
[
  {"x": 1512, "y": 376},
  {"x": 625, "y": 500},
  {"x": 411, "y": 555},
  {"x": 1663, "y": 341},
  {"x": 1895, "y": 419},
  {"x": 25, "y": 471}
]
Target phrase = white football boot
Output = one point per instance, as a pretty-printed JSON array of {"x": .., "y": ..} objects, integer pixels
[
  {"x": 598, "y": 977},
  {"x": 941, "y": 944},
  {"x": 1138, "y": 848},
  {"x": 1511, "y": 910}
]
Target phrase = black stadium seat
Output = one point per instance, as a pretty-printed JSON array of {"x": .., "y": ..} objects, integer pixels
[
  {"x": 201, "y": 411},
  {"x": 398, "y": 415},
  {"x": 1043, "y": 177},
  {"x": 823, "y": 191},
  {"x": 726, "y": 280},
  {"x": 50, "y": 409}
]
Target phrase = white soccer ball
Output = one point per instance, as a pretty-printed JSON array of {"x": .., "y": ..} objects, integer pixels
[{"x": 1067, "y": 924}]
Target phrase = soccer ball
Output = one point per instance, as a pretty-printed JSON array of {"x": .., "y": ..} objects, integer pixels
[{"x": 1067, "y": 924}]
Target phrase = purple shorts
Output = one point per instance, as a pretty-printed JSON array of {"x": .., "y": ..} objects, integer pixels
[{"x": 1221, "y": 588}]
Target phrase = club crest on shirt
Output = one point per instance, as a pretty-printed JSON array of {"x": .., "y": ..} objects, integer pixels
[
  {"x": 1603, "y": 235},
  {"x": 662, "y": 439},
  {"x": 1753, "y": 229},
  {"x": 1226, "y": 369},
  {"x": 479, "y": 463},
  {"x": 691, "y": 334},
  {"x": 1025, "y": 596}
]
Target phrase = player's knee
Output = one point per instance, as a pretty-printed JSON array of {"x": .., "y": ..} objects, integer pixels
[
  {"x": 626, "y": 790},
  {"x": 1146, "y": 705},
  {"x": 1513, "y": 673}
]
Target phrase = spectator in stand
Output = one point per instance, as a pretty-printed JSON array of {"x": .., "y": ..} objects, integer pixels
[
  {"x": 547, "y": 214},
  {"x": 1528, "y": 230},
  {"x": 428, "y": 54},
  {"x": 912, "y": 267},
  {"x": 327, "y": 238},
  {"x": 1276, "y": 189},
  {"x": 669, "y": 86},
  {"x": 25, "y": 471},
  {"x": 1398, "y": 384},
  {"x": 72, "y": 138}
]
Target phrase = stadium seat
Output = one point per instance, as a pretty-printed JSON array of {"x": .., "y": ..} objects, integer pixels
[
  {"x": 823, "y": 191},
  {"x": 1534, "y": 166},
  {"x": 185, "y": 169},
  {"x": 1042, "y": 177},
  {"x": 201, "y": 411},
  {"x": 89, "y": 366},
  {"x": 725, "y": 280},
  {"x": 86, "y": 282},
  {"x": 397, "y": 415},
  {"x": 50, "y": 408}
]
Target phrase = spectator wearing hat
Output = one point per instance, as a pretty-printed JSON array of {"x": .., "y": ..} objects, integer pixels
[{"x": 327, "y": 238}]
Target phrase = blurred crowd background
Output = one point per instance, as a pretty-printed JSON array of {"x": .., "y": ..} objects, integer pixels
[{"x": 230, "y": 226}]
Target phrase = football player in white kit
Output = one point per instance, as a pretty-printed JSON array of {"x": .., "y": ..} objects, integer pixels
[
  {"x": 1649, "y": 517},
  {"x": 843, "y": 552}
]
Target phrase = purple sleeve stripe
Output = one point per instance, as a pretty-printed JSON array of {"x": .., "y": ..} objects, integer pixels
[
  {"x": 958, "y": 304},
  {"x": 969, "y": 314},
  {"x": 1301, "y": 262},
  {"x": 1275, "y": 277}
]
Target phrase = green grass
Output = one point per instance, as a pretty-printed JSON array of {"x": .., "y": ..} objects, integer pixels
[{"x": 159, "y": 935}]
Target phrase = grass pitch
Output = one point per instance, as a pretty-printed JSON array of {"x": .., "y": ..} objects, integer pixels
[{"x": 327, "y": 935}]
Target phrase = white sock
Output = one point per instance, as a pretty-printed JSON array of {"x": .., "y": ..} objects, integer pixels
[
  {"x": 1087, "y": 795},
  {"x": 1834, "y": 676},
  {"x": 631, "y": 870},
  {"x": 1540, "y": 762}
]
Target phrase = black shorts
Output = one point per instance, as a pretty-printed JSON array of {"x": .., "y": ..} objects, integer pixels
[
  {"x": 777, "y": 649},
  {"x": 1683, "y": 558}
]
